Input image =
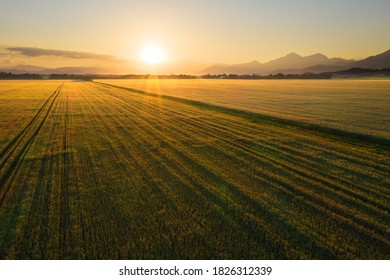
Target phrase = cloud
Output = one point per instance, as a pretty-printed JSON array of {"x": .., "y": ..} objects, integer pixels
[{"x": 35, "y": 52}]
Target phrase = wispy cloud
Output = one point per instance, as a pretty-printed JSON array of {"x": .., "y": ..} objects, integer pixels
[{"x": 35, "y": 52}]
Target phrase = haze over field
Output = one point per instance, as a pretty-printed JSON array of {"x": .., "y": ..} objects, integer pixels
[{"x": 110, "y": 37}]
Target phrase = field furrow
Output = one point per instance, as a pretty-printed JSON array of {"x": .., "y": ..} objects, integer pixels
[
  {"x": 13, "y": 153},
  {"x": 100, "y": 172},
  {"x": 351, "y": 105}
]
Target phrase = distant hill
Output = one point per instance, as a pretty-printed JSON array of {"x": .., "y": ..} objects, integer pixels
[
  {"x": 245, "y": 68},
  {"x": 379, "y": 61},
  {"x": 73, "y": 70},
  {"x": 320, "y": 69},
  {"x": 362, "y": 72},
  {"x": 295, "y": 61},
  {"x": 23, "y": 69},
  {"x": 172, "y": 67},
  {"x": 289, "y": 64},
  {"x": 296, "y": 64}
]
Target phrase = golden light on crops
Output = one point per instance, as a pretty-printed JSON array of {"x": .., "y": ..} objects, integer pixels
[{"x": 152, "y": 54}]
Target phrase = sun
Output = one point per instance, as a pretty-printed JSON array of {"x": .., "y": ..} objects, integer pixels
[{"x": 152, "y": 54}]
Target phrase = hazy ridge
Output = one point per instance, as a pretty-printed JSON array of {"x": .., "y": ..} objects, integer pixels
[{"x": 290, "y": 64}]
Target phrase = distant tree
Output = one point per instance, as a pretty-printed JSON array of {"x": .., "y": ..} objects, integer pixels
[{"x": 27, "y": 76}]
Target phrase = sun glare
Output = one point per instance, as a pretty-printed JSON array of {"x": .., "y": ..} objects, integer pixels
[{"x": 152, "y": 54}]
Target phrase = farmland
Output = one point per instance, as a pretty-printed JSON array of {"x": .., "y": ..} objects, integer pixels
[
  {"x": 356, "y": 105},
  {"x": 93, "y": 171}
]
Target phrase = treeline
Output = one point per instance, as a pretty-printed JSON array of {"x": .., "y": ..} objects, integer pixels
[
  {"x": 270, "y": 76},
  {"x": 70, "y": 77},
  {"x": 25, "y": 76},
  {"x": 28, "y": 76},
  {"x": 219, "y": 76},
  {"x": 353, "y": 72},
  {"x": 147, "y": 76},
  {"x": 361, "y": 72}
]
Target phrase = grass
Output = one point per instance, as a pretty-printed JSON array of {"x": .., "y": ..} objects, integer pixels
[{"x": 93, "y": 171}]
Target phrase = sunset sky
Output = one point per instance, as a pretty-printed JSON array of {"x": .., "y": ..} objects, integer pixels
[{"x": 204, "y": 31}]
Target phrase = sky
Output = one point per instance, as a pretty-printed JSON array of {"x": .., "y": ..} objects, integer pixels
[{"x": 205, "y": 31}]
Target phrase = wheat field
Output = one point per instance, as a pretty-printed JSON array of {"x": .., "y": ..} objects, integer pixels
[
  {"x": 355, "y": 105},
  {"x": 93, "y": 171}
]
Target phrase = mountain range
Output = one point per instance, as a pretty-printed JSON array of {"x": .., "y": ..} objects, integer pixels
[
  {"x": 296, "y": 64},
  {"x": 289, "y": 64}
]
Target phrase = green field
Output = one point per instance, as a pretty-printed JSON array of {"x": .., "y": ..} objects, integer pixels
[
  {"x": 93, "y": 171},
  {"x": 361, "y": 106}
]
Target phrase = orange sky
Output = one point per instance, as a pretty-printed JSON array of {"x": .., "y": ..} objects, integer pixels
[{"x": 201, "y": 31}]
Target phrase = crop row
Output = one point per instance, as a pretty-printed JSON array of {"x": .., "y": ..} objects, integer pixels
[{"x": 114, "y": 173}]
